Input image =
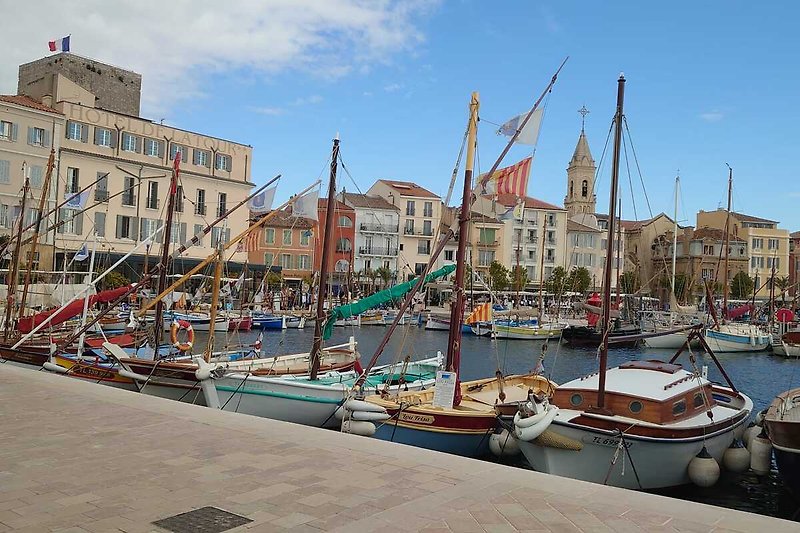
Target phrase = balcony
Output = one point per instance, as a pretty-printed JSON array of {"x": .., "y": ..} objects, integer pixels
[
  {"x": 129, "y": 200},
  {"x": 525, "y": 240},
  {"x": 100, "y": 195},
  {"x": 418, "y": 233},
  {"x": 379, "y": 228},
  {"x": 381, "y": 251},
  {"x": 551, "y": 242},
  {"x": 549, "y": 260},
  {"x": 200, "y": 209},
  {"x": 489, "y": 244}
]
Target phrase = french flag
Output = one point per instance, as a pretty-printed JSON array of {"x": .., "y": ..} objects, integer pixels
[{"x": 59, "y": 45}]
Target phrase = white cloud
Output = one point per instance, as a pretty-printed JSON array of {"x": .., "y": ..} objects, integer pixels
[
  {"x": 712, "y": 116},
  {"x": 392, "y": 87},
  {"x": 313, "y": 99},
  {"x": 271, "y": 111},
  {"x": 367, "y": 93},
  {"x": 177, "y": 45}
]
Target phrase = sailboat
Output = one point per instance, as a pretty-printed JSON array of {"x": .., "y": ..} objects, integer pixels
[
  {"x": 782, "y": 424},
  {"x": 638, "y": 425},
  {"x": 455, "y": 417},
  {"x": 732, "y": 336}
]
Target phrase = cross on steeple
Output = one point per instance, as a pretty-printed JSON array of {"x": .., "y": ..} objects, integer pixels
[{"x": 583, "y": 112}]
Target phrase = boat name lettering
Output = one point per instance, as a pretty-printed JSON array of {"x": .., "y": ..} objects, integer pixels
[{"x": 419, "y": 419}]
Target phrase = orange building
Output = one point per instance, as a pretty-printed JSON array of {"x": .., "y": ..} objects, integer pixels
[
  {"x": 343, "y": 238},
  {"x": 286, "y": 244}
]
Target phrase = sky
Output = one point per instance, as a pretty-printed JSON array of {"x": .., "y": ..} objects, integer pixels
[{"x": 708, "y": 83}]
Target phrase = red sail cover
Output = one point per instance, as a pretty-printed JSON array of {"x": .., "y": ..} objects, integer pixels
[
  {"x": 736, "y": 312},
  {"x": 74, "y": 308}
]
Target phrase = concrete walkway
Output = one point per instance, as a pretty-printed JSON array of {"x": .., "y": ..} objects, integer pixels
[{"x": 75, "y": 456}]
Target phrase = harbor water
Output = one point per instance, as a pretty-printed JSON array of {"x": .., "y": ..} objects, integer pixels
[{"x": 760, "y": 375}]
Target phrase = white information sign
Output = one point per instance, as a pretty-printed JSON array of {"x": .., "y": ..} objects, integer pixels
[{"x": 445, "y": 389}]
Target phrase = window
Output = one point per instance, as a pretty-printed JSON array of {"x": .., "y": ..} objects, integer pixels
[
  {"x": 486, "y": 236},
  {"x": 344, "y": 245},
  {"x": 345, "y": 222},
  {"x": 198, "y": 233},
  {"x": 410, "y": 208},
  {"x": 100, "y": 223},
  {"x": 774, "y": 262},
  {"x": 200, "y": 204},
  {"x": 419, "y": 268},
  {"x": 147, "y": 227},
  {"x": 31, "y": 214},
  {"x": 551, "y": 237},
  {"x": 424, "y": 247},
  {"x": 36, "y": 176},
  {"x": 585, "y": 189},
  {"x": 73, "y": 180},
  {"x": 287, "y": 236},
  {"x": 222, "y": 162},
  {"x": 427, "y": 209},
  {"x": 427, "y": 228},
  {"x": 77, "y": 131},
  {"x": 222, "y": 204},
  {"x": 773, "y": 244},
  {"x": 130, "y": 142},
  {"x": 175, "y": 148},
  {"x": 269, "y": 235},
  {"x": 286, "y": 261},
  {"x": 102, "y": 137},
  {"x": 409, "y": 229},
  {"x": 448, "y": 255},
  {"x": 708, "y": 249},
  {"x": 678, "y": 408},
  {"x": 576, "y": 399},
  {"x": 708, "y": 273},
  {"x": 179, "y": 199},
  {"x": 201, "y": 157},
  {"x": 129, "y": 192},
  {"x": 756, "y": 262},
  {"x": 38, "y": 137},
  {"x": 152, "y": 195},
  {"x": 101, "y": 188},
  {"x": 758, "y": 243},
  {"x": 268, "y": 259},
  {"x": 7, "y": 131},
  {"x": 485, "y": 257},
  {"x": 71, "y": 222},
  {"x": 303, "y": 262},
  {"x": 153, "y": 148},
  {"x": 699, "y": 400},
  {"x": 4, "y": 222},
  {"x": 635, "y": 406},
  {"x": 305, "y": 238},
  {"x": 220, "y": 236}
]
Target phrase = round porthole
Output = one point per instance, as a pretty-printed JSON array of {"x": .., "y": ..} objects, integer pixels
[
  {"x": 635, "y": 406},
  {"x": 576, "y": 399}
]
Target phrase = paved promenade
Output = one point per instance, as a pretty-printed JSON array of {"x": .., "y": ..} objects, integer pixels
[{"x": 78, "y": 457}]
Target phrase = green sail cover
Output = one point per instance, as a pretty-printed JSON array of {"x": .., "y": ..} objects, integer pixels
[{"x": 345, "y": 311}]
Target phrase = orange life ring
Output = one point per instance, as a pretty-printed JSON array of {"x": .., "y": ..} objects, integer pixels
[{"x": 176, "y": 326}]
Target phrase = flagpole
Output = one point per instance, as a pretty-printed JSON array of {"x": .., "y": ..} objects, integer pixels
[
  {"x": 13, "y": 271},
  {"x": 82, "y": 338}
]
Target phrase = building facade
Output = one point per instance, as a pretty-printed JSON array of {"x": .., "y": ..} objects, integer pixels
[
  {"x": 794, "y": 262},
  {"x": 377, "y": 233},
  {"x": 420, "y": 215},
  {"x": 341, "y": 248},
  {"x": 286, "y": 245}
]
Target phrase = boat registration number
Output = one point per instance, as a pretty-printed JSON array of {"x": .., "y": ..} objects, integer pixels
[{"x": 605, "y": 441}]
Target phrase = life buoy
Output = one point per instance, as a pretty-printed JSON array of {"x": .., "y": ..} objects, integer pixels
[{"x": 176, "y": 326}]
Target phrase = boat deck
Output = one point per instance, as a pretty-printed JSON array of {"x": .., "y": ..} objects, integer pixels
[{"x": 83, "y": 457}]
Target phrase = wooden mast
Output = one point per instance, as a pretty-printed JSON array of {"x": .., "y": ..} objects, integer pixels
[
  {"x": 13, "y": 271},
  {"x": 212, "y": 315},
  {"x": 725, "y": 245},
  {"x": 517, "y": 277},
  {"x": 612, "y": 220},
  {"x": 541, "y": 271},
  {"x": 37, "y": 228},
  {"x": 165, "y": 258},
  {"x": 619, "y": 247},
  {"x": 453, "y": 363},
  {"x": 324, "y": 267}
]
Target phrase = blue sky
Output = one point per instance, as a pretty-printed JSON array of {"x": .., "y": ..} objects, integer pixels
[{"x": 708, "y": 83}]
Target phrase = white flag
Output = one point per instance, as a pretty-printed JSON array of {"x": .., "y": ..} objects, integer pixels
[
  {"x": 306, "y": 206},
  {"x": 240, "y": 282},
  {"x": 82, "y": 255},
  {"x": 262, "y": 202},
  {"x": 76, "y": 201},
  {"x": 530, "y": 134}
]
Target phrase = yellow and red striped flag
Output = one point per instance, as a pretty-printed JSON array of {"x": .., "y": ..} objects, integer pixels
[
  {"x": 508, "y": 180},
  {"x": 249, "y": 243},
  {"x": 482, "y": 313}
]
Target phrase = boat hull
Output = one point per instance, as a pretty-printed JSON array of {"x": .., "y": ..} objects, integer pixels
[
  {"x": 670, "y": 341},
  {"x": 722, "y": 341},
  {"x": 788, "y": 460},
  {"x": 474, "y": 444}
]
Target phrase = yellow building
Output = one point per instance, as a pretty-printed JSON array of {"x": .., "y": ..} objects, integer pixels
[
  {"x": 100, "y": 136},
  {"x": 767, "y": 244}
]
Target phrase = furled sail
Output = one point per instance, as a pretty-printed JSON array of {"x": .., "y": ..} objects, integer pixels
[
  {"x": 74, "y": 308},
  {"x": 345, "y": 311}
]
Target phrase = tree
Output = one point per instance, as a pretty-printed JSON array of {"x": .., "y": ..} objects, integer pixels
[
  {"x": 274, "y": 281},
  {"x": 114, "y": 280},
  {"x": 681, "y": 284},
  {"x": 741, "y": 286},
  {"x": 385, "y": 274},
  {"x": 519, "y": 278},
  {"x": 555, "y": 283},
  {"x": 498, "y": 276},
  {"x": 782, "y": 284},
  {"x": 578, "y": 280},
  {"x": 629, "y": 282}
]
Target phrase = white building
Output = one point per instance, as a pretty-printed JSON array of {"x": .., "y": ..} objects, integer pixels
[{"x": 377, "y": 232}]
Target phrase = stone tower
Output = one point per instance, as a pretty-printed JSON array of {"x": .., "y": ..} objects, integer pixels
[{"x": 580, "y": 196}]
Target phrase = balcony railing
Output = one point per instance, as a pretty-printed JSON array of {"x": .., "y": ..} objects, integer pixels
[
  {"x": 380, "y": 228},
  {"x": 100, "y": 195},
  {"x": 129, "y": 200},
  {"x": 525, "y": 240},
  {"x": 549, "y": 260},
  {"x": 491, "y": 244},
  {"x": 377, "y": 250},
  {"x": 551, "y": 241},
  {"x": 419, "y": 233}
]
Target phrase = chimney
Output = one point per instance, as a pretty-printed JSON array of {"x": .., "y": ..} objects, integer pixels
[{"x": 47, "y": 100}]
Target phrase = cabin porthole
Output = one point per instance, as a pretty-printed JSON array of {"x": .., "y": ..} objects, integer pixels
[
  {"x": 576, "y": 400},
  {"x": 635, "y": 406},
  {"x": 678, "y": 408}
]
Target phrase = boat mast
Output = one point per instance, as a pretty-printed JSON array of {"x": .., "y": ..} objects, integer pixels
[
  {"x": 324, "y": 267},
  {"x": 619, "y": 247},
  {"x": 725, "y": 245},
  {"x": 541, "y": 271},
  {"x": 612, "y": 207},
  {"x": 517, "y": 274},
  {"x": 82, "y": 338},
  {"x": 13, "y": 271},
  {"x": 212, "y": 315},
  {"x": 457, "y": 312},
  {"x": 162, "y": 274},
  {"x": 675, "y": 239}
]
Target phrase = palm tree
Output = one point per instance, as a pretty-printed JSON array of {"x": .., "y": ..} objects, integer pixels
[
  {"x": 782, "y": 284},
  {"x": 385, "y": 274}
]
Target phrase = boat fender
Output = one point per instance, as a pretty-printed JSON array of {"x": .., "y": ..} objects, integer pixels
[
  {"x": 357, "y": 427},
  {"x": 340, "y": 412},
  {"x": 750, "y": 433},
  {"x": 703, "y": 469},
  {"x": 752, "y": 339},
  {"x": 529, "y": 421},
  {"x": 760, "y": 455},
  {"x": 532, "y": 432},
  {"x": 760, "y": 417},
  {"x": 369, "y": 416},
  {"x": 176, "y": 326},
  {"x": 52, "y": 367},
  {"x": 361, "y": 405},
  {"x": 503, "y": 444},
  {"x": 132, "y": 375},
  {"x": 736, "y": 458}
]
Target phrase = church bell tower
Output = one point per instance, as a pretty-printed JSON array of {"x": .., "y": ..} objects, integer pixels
[{"x": 580, "y": 196}]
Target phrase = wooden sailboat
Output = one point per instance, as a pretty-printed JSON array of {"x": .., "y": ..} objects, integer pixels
[
  {"x": 782, "y": 424},
  {"x": 653, "y": 416}
]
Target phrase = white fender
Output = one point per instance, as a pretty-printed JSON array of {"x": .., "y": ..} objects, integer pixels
[
  {"x": 356, "y": 427},
  {"x": 503, "y": 444},
  {"x": 369, "y": 416},
  {"x": 760, "y": 455},
  {"x": 532, "y": 432},
  {"x": 361, "y": 405},
  {"x": 531, "y": 420},
  {"x": 52, "y": 367},
  {"x": 130, "y": 374},
  {"x": 339, "y": 413}
]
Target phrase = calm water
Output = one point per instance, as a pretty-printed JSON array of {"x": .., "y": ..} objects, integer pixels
[{"x": 759, "y": 375}]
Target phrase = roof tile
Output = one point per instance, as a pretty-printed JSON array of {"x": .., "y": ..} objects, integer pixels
[{"x": 25, "y": 101}]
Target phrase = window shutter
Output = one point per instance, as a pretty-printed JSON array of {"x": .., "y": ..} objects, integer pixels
[
  {"x": 227, "y": 235},
  {"x": 138, "y": 144},
  {"x": 84, "y": 133},
  {"x": 118, "y": 230},
  {"x": 195, "y": 156},
  {"x": 182, "y": 239},
  {"x": 133, "y": 228},
  {"x": 197, "y": 231},
  {"x": 46, "y": 139},
  {"x": 14, "y": 131},
  {"x": 143, "y": 229},
  {"x": 208, "y": 159},
  {"x": 66, "y": 129},
  {"x": 160, "y": 148},
  {"x": 97, "y": 132},
  {"x": 114, "y": 135},
  {"x": 30, "y": 135},
  {"x": 78, "y": 224},
  {"x": 100, "y": 224},
  {"x": 5, "y": 171}
]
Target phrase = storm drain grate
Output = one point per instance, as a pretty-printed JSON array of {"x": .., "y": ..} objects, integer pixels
[{"x": 203, "y": 520}]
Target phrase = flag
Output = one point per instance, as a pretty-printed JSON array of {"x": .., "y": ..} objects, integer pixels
[
  {"x": 257, "y": 345},
  {"x": 75, "y": 200},
  {"x": 308, "y": 233},
  {"x": 240, "y": 282},
  {"x": 508, "y": 180},
  {"x": 59, "y": 45},
  {"x": 306, "y": 206},
  {"x": 82, "y": 254},
  {"x": 529, "y": 134},
  {"x": 176, "y": 169},
  {"x": 249, "y": 243},
  {"x": 262, "y": 202},
  {"x": 508, "y": 215},
  {"x": 519, "y": 209},
  {"x": 482, "y": 313}
]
